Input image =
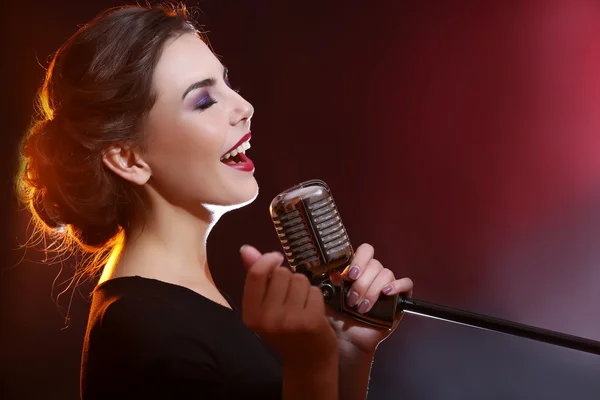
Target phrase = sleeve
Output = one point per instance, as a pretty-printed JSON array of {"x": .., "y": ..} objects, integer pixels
[{"x": 147, "y": 350}]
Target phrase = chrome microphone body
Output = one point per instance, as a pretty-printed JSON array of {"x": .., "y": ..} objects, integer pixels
[{"x": 317, "y": 245}]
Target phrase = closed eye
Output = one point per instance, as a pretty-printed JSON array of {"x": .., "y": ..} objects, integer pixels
[{"x": 205, "y": 102}]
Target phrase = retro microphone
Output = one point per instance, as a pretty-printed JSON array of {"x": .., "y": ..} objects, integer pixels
[{"x": 316, "y": 244}]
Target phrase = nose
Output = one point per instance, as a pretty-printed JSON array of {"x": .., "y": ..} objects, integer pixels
[{"x": 242, "y": 110}]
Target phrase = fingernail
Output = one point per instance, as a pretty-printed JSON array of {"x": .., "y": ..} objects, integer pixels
[
  {"x": 353, "y": 273},
  {"x": 364, "y": 306},
  {"x": 387, "y": 289},
  {"x": 243, "y": 247},
  {"x": 352, "y": 298}
]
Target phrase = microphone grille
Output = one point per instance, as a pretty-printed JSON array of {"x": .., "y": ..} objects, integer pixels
[
  {"x": 328, "y": 227},
  {"x": 294, "y": 234},
  {"x": 310, "y": 229}
]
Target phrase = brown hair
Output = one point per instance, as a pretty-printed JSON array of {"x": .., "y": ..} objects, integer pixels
[{"x": 97, "y": 91}]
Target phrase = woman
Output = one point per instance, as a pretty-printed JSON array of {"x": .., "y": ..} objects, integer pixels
[{"x": 134, "y": 157}]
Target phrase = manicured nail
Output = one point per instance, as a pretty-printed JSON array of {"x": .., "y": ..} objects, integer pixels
[
  {"x": 352, "y": 298},
  {"x": 353, "y": 273},
  {"x": 364, "y": 306},
  {"x": 243, "y": 247},
  {"x": 387, "y": 289}
]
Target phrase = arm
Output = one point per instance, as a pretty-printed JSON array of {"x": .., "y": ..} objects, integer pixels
[
  {"x": 315, "y": 381},
  {"x": 355, "y": 370},
  {"x": 358, "y": 341},
  {"x": 289, "y": 313}
]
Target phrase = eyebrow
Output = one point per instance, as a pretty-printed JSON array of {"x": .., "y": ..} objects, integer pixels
[{"x": 203, "y": 83}]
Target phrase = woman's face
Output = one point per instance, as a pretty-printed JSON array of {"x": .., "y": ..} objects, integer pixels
[{"x": 196, "y": 120}]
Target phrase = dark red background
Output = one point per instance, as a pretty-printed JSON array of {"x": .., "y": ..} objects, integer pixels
[{"x": 460, "y": 138}]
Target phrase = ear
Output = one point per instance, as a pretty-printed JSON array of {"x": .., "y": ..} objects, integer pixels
[{"x": 127, "y": 163}]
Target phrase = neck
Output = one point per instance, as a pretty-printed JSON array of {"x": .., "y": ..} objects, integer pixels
[{"x": 167, "y": 243}]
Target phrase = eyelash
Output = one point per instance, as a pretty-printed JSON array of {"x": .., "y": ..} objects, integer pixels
[{"x": 203, "y": 105}]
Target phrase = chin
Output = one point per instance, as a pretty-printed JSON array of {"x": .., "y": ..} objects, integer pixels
[
  {"x": 244, "y": 201},
  {"x": 238, "y": 197},
  {"x": 244, "y": 190}
]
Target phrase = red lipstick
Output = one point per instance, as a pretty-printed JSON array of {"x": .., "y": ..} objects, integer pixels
[
  {"x": 240, "y": 161},
  {"x": 245, "y": 163},
  {"x": 244, "y": 138}
]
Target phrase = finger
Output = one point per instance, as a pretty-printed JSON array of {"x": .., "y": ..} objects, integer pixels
[
  {"x": 404, "y": 285},
  {"x": 279, "y": 285},
  {"x": 250, "y": 255},
  {"x": 273, "y": 307},
  {"x": 257, "y": 279},
  {"x": 363, "y": 254},
  {"x": 315, "y": 302},
  {"x": 359, "y": 287},
  {"x": 297, "y": 293},
  {"x": 383, "y": 278}
]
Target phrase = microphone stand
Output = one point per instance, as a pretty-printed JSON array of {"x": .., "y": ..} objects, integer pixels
[
  {"x": 423, "y": 308},
  {"x": 383, "y": 313}
]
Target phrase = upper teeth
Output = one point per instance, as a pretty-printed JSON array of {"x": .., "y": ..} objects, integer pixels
[{"x": 240, "y": 149}]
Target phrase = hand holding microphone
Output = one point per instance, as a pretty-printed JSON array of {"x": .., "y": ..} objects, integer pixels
[
  {"x": 367, "y": 282},
  {"x": 370, "y": 280}
]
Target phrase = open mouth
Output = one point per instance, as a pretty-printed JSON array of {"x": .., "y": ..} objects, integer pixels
[
  {"x": 236, "y": 157},
  {"x": 237, "y": 154}
]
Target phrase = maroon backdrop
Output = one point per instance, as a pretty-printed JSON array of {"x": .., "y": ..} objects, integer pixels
[{"x": 459, "y": 138}]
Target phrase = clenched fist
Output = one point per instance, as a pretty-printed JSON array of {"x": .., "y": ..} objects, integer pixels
[{"x": 285, "y": 310}]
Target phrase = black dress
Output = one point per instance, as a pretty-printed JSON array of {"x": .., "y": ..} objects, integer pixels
[{"x": 147, "y": 339}]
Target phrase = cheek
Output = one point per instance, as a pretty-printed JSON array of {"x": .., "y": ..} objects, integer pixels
[
  {"x": 192, "y": 136},
  {"x": 206, "y": 133}
]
